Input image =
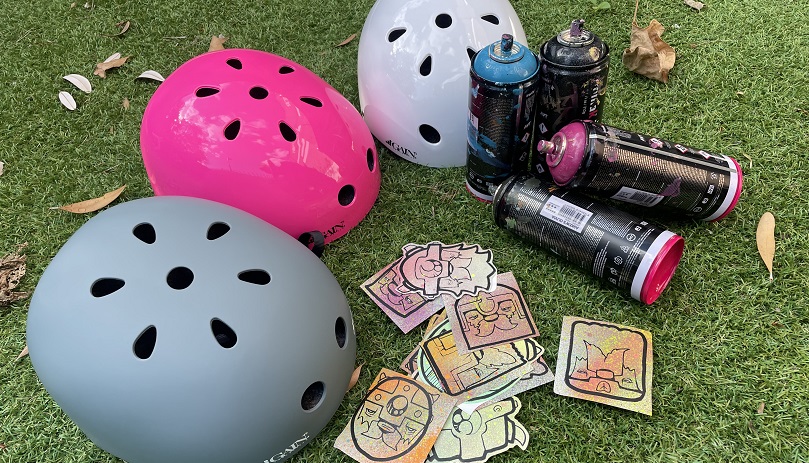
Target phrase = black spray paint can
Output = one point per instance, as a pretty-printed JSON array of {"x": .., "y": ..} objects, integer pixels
[
  {"x": 632, "y": 254},
  {"x": 573, "y": 81},
  {"x": 503, "y": 80},
  {"x": 639, "y": 169}
]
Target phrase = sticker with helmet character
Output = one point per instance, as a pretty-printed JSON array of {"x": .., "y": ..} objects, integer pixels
[
  {"x": 399, "y": 420},
  {"x": 457, "y": 269}
]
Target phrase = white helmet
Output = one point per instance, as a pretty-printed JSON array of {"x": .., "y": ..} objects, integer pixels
[{"x": 413, "y": 69}]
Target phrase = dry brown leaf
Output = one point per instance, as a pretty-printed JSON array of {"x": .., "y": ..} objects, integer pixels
[
  {"x": 23, "y": 353},
  {"x": 765, "y": 239},
  {"x": 103, "y": 67},
  {"x": 125, "y": 103},
  {"x": 123, "y": 25},
  {"x": 12, "y": 269},
  {"x": 354, "y": 377},
  {"x": 346, "y": 41},
  {"x": 92, "y": 205},
  {"x": 694, "y": 4},
  {"x": 217, "y": 42},
  {"x": 73, "y": 5},
  {"x": 760, "y": 410},
  {"x": 648, "y": 55}
]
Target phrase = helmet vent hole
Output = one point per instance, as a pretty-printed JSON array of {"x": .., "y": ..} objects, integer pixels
[
  {"x": 426, "y": 66},
  {"x": 180, "y": 277},
  {"x": 312, "y": 101},
  {"x": 234, "y": 63},
  {"x": 106, "y": 286},
  {"x": 395, "y": 34},
  {"x": 145, "y": 232},
  {"x": 346, "y": 195},
  {"x": 313, "y": 395},
  {"x": 340, "y": 332},
  {"x": 285, "y": 70},
  {"x": 371, "y": 161},
  {"x": 259, "y": 93},
  {"x": 287, "y": 132},
  {"x": 223, "y": 334},
  {"x": 217, "y": 230},
  {"x": 490, "y": 18},
  {"x": 471, "y": 52},
  {"x": 144, "y": 344},
  {"x": 203, "y": 92},
  {"x": 232, "y": 130},
  {"x": 256, "y": 277},
  {"x": 443, "y": 20},
  {"x": 429, "y": 133}
]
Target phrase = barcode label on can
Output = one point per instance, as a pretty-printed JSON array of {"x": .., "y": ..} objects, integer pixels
[
  {"x": 566, "y": 214},
  {"x": 639, "y": 197}
]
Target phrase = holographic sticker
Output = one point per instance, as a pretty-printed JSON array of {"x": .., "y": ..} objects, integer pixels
[
  {"x": 457, "y": 269},
  {"x": 541, "y": 374},
  {"x": 490, "y": 318},
  {"x": 398, "y": 421},
  {"x": 606, "y": 363},
  {"x": 475, "y": 437},
  {"x": 406, "y": 308}
]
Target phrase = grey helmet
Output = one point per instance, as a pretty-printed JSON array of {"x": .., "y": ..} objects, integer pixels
[{"x": 175, "y": 329}]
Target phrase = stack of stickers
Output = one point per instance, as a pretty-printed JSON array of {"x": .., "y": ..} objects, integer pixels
[{"x": 457, "y": 400}]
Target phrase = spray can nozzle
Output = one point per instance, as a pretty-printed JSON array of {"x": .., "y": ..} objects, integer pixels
[
  {"x": 554, "y": 149},
  {"x": 506, "y": 42},
  {"x": 576, "y": 27}
]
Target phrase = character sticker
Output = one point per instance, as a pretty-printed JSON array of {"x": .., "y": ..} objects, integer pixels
[
  {"x": 477, "y": 436},
  {"x": 605, "y": 363},
  {"x": 398, "y": 421},
  {"x": 406, "y": 308},
  {"x": 487, "y": 371},
  {"x": 490, "y": 318},
  {"x": 456, "y": 269}
]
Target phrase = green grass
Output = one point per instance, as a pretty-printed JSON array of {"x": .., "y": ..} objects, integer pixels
[{"x": 725, "y": 337}]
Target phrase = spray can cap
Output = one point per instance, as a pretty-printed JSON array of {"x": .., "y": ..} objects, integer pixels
[{"x": 575, "y": 47}]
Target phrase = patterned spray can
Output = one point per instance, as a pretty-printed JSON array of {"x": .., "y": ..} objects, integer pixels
[
  {"x": 573, "y": 80},
  {"x": 502, "y": 92},
  {"x": 632, "y": 254},
  {"x": 634, "y": 168}
]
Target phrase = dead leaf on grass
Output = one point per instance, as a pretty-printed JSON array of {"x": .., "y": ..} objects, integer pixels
[
  {"x": 103, "y": 67},
  {"x": 765, "y": 239},
  {"x": 23, "y": 353},
  {"x": 151, "y": 75},
  {"x": 67, "y": 100},
  {"x": 123, "y": 26},
  {"x": 80, "y": 82},
  {"x": 648, "y": 55},
  {"x": 92, "y": 205},
  {"x": 217, "y": 42},
  {"x": 12, "y": 269},
  {"x": 2, "y": 165},
  {"x": 125, "y": 103},
  {"x": 694, "y": 4},
  {"x": 346, "y": 41},
  {"x": 354, "y": 377},
  {"x": 760, "y": 410}
]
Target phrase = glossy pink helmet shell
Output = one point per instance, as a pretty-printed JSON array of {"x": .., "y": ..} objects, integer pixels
[{"x": 264, "y": 134}]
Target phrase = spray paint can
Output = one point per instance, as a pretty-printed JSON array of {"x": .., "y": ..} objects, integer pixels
[
  {"x": 502, "y": 91},
  {"x": 573, "y": 80},
  {"x": 644, "y": 170},
  {"x": 617, "y": 247}
]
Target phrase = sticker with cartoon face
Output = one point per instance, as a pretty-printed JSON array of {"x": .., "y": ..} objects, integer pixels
[
  {"x": 606, "y": 363},
  {"x": 406, "y": 308},
  {"x": 489, "y": 319},
  {"x": 477, "y": 436},
  {"x": 456, "y": 269},
  {"x": 486, "y": 371},
  {"x": 399, "y": 418}
]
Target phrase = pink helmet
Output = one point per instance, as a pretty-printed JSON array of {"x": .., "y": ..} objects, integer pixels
[{"x": 266, "y": 135}]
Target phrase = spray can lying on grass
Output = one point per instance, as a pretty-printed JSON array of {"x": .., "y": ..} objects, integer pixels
[
  {"x": 644, "y": 170},
  {"x": 627, "y": 252}
]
